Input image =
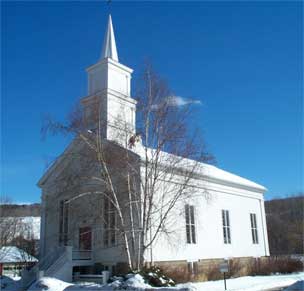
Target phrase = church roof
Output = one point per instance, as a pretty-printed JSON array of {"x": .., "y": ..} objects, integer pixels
[
  {"x": 109, "y": 45},
  {"x": 218, "y": 174},
  {"x": 206, "y": 171}
]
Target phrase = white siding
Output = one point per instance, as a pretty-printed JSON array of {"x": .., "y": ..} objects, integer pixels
[{"x": 210, "y": 241}]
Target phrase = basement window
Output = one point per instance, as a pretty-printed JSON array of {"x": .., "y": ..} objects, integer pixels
[{"x": 190, "y": 224}]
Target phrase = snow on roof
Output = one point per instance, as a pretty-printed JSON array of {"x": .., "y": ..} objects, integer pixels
[
  {"x": 13, "y": 254},
  {"x": 206, "y": 170},
  {"x": 219, "y": 174}
]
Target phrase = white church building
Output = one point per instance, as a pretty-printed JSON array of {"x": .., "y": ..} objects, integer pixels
[{"x": 231, "y": 224}]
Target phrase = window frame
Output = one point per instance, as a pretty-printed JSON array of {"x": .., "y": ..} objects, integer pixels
[
  {"x": 191, "y": 237},
  {"x": 63, "y": 222},
  {"x": 109, "y": 223},
  {"x": 226, "y": 226},
  {"x": 254, "y": 228}
]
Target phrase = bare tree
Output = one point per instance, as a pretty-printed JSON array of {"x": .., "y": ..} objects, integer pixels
[
  {"x": 15, "y": 232},
  {"x": 142, "y": 176},
  {"x": 9, "y": 225}
]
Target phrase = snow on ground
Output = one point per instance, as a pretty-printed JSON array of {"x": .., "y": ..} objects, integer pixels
[
  {"x": 49, "y": 284},
  {"x": 136, "y": 283},
  {"x": 133, "y": 281},
  {"x": 248, "y": 283}
]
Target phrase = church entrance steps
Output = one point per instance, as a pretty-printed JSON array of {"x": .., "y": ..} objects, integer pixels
[
  {"x": 82, "y": 258},
  {"x": 59, "y": 264},
  {"x": 44, "y": 266},
  {"x": 96, "y": 278}
]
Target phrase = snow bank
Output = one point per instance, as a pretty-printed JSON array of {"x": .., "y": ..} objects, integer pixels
[
  {"x": 49, "y": 284},
  {"x": 135, "y": 282},
  {"x": 249, "y": 283}
]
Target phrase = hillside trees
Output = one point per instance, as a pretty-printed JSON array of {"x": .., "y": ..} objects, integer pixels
[
  {"x": 14, "y": 231},
  {"x": 9, "y": 225},
  {"x": 285, "y": 224}
]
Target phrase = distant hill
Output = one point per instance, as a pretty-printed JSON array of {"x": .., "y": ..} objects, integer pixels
[
  {"x": 285, "y": 225},
  {"x": 16, "y": 210}
]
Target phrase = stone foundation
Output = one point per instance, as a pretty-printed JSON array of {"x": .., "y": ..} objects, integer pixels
[
  {"x": 177, "y": 270},
  {"x": 207, "y": 269},
  {"x": 201, "y": 270}
]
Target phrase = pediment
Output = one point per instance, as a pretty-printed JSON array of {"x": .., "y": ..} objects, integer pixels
[{"x": 61, "y": 163}]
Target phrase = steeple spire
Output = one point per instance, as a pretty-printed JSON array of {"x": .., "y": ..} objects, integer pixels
[
  {"x": 109, "y": 85},
  {"x": 109, "y": 46}
]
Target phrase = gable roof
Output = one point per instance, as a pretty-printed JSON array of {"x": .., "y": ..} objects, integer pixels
[
  {"x": 209, "y": 172},
  {"x": 218, "y": 174},
  {"x": 59, "y": 160},
  {"x": 206, "y": 171}
]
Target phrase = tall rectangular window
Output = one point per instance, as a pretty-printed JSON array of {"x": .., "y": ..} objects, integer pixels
[
  {"x": 190, "y": 224},
  {"x": 254, "y": 228},
  {"x": 226, "y": 226},
  {"x": 63, "y": 222},
  {"x": 109, "y": 237}
]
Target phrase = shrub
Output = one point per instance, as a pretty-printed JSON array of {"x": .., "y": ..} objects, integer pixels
[
  {"x": 271, "y": 265},
  {"x": 178, "y": 274},
  {"x": 235, "y": 267},
  {"x": 155, "y": 277},
  {"x": 213, "y": 273}
]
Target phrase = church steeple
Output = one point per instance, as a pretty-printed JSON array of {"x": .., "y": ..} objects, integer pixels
[
  {"x": 109, "y": 91},
  {"x": 109, "y": 45}
]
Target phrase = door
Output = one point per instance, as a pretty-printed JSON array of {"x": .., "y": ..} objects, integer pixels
[{"x": 85, "y": 238}]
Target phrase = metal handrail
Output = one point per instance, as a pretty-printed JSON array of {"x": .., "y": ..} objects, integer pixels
[
  {"x": 43, "y": 264},
  {"x": 48, "y": 260}
]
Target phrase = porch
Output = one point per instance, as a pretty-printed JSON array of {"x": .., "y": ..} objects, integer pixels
[
  {"x": 81, "y": 258},
  {"x": 58, "y": 263}
]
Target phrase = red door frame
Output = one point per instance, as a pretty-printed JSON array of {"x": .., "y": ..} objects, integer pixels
[{"x": 85, "y": 238}]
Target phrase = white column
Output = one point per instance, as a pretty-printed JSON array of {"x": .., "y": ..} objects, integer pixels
[
  {"x": 264, "y": 227},
  {"x": 42, "y": 227}
]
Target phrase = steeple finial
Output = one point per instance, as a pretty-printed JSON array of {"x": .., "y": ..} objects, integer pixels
[{"x": 109, "y": 46}]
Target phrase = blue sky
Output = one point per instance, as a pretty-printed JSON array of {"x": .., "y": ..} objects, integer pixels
[{"x": 243, "y": 60}]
